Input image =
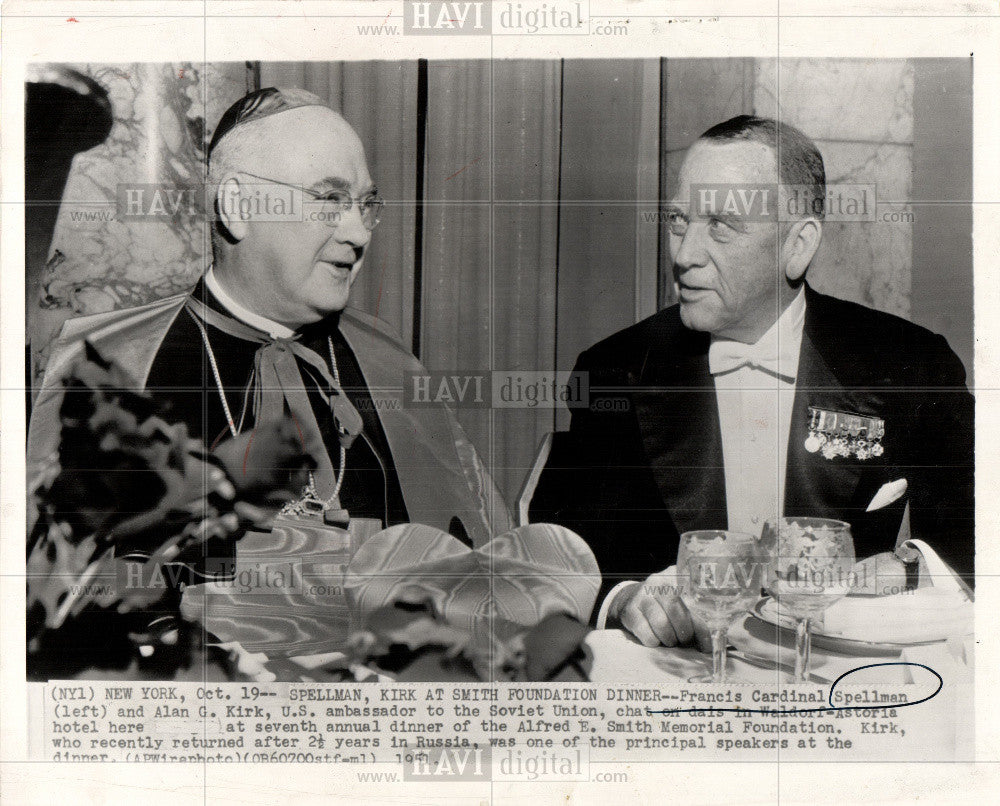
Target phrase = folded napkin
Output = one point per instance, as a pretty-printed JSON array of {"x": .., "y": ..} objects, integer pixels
[
  {"x": 512, "y": 582},
  {"x": 925, "y": 614},
  {"x": 942, "y": 610}
]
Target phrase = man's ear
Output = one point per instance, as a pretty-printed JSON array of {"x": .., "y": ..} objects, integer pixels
[
  {"x": 232, "y": 218},
  {"x": 800, "y": 246}
]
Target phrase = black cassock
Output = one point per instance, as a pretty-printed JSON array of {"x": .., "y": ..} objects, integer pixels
[{"x": 181, "y": 376}]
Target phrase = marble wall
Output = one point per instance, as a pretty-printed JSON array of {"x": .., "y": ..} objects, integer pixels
[
  {"x": 98, "y": 260},
  {"x": 860, "y": 114}
]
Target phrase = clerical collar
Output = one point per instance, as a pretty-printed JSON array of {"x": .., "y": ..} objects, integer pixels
[
  {"x": 275, "y": 330},
  {"x": 776, "y": 351}
]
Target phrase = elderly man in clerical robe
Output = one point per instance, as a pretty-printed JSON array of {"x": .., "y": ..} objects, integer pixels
[{"x": 265, "y": 336}]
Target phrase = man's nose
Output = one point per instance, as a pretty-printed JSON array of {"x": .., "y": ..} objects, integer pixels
[
  {"x": 350, "y": 229},
  {"x": 691, "y": 250}
]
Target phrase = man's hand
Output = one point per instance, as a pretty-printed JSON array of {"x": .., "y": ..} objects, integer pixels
[{"x": 654, "y": 613}]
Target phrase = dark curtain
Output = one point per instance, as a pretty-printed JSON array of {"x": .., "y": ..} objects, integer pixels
[{"x": 489, "y": 270}]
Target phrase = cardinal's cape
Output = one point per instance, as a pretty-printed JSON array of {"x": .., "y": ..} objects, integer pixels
[{"x": 441, "y": 474}]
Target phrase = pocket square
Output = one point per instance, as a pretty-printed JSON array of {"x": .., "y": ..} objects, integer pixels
[{"x": 886, "y": 494}]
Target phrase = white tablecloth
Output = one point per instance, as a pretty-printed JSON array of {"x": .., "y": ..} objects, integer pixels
[{"x": 620, "y": 659}]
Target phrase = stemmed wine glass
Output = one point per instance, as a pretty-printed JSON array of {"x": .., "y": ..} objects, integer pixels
[
  {"x": 810, "y": 567},
  {"x": 720, "y": 575}
]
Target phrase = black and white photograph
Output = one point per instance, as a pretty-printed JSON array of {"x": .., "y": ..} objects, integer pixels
[{"x": 500, "y": 422}]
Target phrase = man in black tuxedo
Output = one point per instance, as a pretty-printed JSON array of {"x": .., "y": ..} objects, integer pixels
[{"x": 757, "y": 396}]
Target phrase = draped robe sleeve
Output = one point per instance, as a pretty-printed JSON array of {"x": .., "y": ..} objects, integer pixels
[{"x": 441, "y": 474}]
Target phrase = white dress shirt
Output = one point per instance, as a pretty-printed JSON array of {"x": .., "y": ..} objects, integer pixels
[
  {"x": 755, "y": 391},
  {"x": 275, "y": 330}
]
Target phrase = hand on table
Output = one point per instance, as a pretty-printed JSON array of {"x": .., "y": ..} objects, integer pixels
[{"x": 653, "y": 612}]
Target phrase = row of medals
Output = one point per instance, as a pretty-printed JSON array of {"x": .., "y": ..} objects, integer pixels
[
  {"x": 842, "y": 445},
  {"x": 840, "y": 434}
]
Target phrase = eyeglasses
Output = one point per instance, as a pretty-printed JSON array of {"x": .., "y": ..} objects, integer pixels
[{"x": 336, "y": 202}]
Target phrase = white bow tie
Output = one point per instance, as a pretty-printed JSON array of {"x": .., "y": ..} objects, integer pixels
[{"x": 725, "y": 356}]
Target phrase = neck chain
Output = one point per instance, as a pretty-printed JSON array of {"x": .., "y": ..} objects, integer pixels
[{"x": 310, "y": 502}]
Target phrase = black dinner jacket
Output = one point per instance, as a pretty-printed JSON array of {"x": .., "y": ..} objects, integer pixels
[{"x": 643, "y": 463}]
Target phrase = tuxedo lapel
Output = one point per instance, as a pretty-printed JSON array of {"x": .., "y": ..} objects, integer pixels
[
  {"x": 678, "y": 420},
  {"x": 814, "y": 484}
]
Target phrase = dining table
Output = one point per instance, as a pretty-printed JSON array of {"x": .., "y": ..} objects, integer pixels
[{"x": 901, "y": 640}]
